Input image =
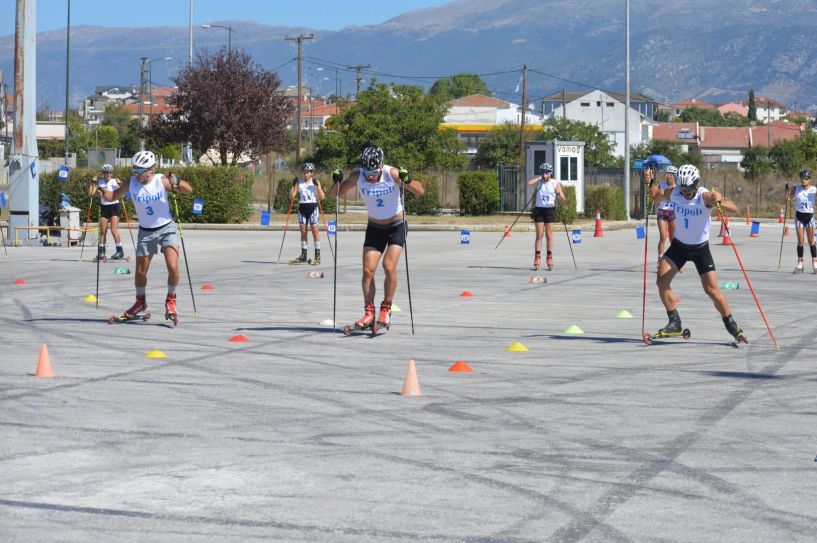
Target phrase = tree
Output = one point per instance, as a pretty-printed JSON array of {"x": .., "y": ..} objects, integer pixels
[
  {"x": 598, "y": 149},
  {"x": 673, "y": 151},
  {"x": 500, "y": 145},
  {"x": 106, "y": 137},
  {"x": 459, "y": 85},
  {"x": 756, "y": 162},
  {"x": 118, "y": 116},
  {"x": 227, "y": 103},
  {"x": 400, "y": 119},
  {"x": 712, "y": 117},
  {"x": 787, "y": 157},
  {"x": 752, "y": 115}
]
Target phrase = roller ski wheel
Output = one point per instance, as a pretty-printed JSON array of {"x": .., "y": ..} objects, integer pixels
[
  {"x": 537, "y": 263},
  {"x": 798, "y": 268},
  {"x": 351, "y": 329},
  {"x": 313, "y": 262},
  {"x": 173, "y": 317},
  {"x": 104, "y": 259},
  {"x": 127, "y": 318},
  {"x": 125, "y": 258},
  {"x": 649, "y": 337},
  {"x": 550, "y": 263}
]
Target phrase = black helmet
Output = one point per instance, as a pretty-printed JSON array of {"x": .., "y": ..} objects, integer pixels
[
  {"x": 309, "y": 167},
  {"x": 545, "y": 167},
  {"x": 805, "y": 173},
  {"x": 371, "y": 157}
]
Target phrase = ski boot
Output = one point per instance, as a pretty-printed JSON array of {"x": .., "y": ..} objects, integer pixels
[
  {"x": 672, "y": 329},
  {"x": 118, "y": 255},
  {"x": 366, "y": 322},
  {"x": 537, "y": 262},
  {"x": 301, "y": 259},
  {"x": 814, "y": 265},
  {"x": 799, "y": 267},
  {"x": 317, "y": 259},
  {"x": 384, "y": 319},
  {"x": 136, "y": 312},
  {"x": 735, "y": 330},
  {"x": 549, "y": 262},
  {"x": 170, "y": 309},
  {"x": 100, "y": 255}
]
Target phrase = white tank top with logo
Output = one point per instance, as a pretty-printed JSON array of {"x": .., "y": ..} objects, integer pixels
[
  {"x": 546, "y": 193},
  {"x": 804, "y": 199},
  {"x": 692, "y": 217},
  {"x": 382, "y": 198},
  {"x": 150, "y": 201},
  {"x": 664, "y": 204},
  {"x": 110, "y": 186},
  {"x": 307, "y": 192}
]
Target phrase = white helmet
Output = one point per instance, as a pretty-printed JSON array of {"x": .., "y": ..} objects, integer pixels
[
  {"x": 671, "y": 169},
  {"x": 143, "y": 159},
  {"x": 107, "y": 168},
  {"x": 688, "y": 176}
]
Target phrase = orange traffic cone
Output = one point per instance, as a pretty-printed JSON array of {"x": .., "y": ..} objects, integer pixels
[
  {"x": 460, "y": 366},
  {"x": 411, "y": 385},
  {"x": 785, "y": 230},
  {"x": 726, "y": 239},
  {"x": 598, "y": 233},
  {"x": 723, "y": 229},
  {"x": 720, "y": 217},
  {"x": 507, "y": 231},
  {"x": 748, "y": 217},
  {"x": 781, "y": 217},
  {"x": 44, "y": 363}
]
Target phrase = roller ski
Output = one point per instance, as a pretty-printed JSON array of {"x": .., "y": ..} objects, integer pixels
[
  {"x": 537, "y": 262},
  {"x": 301, "y": 259},
  {"x": 365, "y": 323},
  {"x": 119, "y": 255},
  {"x": 100, "y": 256},
  {"x": 135, "y": 313},
  {"x": 672, "y": 329},
  {"x": 317, "y": 260},
  {"x": 549, "y": 262},
  {"x": 734, "y": 330},
  {"x": 170, "y": 310},
  {"x": 384, "y": 318},
  {"x": 799, "y": 267}
]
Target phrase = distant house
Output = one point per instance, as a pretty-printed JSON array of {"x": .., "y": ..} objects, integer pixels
[
  {"x": 684, "y": 134},
  {"x": 677, "y": 108},
  {"x": 315, "y": 112},
  {"x": 154, "y": 103},
  {"x": 94, "y": 106},
  {"x": 639, "y": 102},
  {"x": 607, "y": 112},
  {"x": 475, "y": 115},
  {"x": 733, "y": 107},
  {"x": 768, "y": 109}
]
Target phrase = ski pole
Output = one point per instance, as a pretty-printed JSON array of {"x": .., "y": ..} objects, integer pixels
[
  {"x": 87, "y": 220},
  {"x": 184, "y": 252},
  {"x": 335, "y": 273},
  {"x": 746, "y": 276},
  {"x": 405, "y": 251},
  {"x": 517, "y": 218},
  {"x": 286, "y": 227},
  {"x": 127, "y": 220},
  {"x": 785, "y": 223},
  {"x": 326, "y": 225},
  {"x": 569, "y": 242},
  {"x": 98, "y": 258},
  {"x": 647, "y": 213}
]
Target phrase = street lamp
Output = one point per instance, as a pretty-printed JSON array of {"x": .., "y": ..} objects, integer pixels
[
  {"x": 146, "y": 62},
  {"x": 229, "y": 30}
]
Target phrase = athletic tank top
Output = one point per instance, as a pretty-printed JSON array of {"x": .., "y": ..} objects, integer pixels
[
  {"x": 110, "y": 186},
  {"x": 804, "y": 198},
  {"x": 691, "y": 217},
  {"x": 664, "y": 204},
  {"x": 382, "y": 199},
  {"x": 546, "y": 193},
  {"x": 150, "y": 201},
  {"x": 307, "y": 192}
]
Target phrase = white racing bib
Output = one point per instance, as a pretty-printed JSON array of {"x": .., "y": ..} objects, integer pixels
[
  {"x": 382, "y": 199},
  {"x": 150, "y": 201},
  {"x": 692, "y": 217}
]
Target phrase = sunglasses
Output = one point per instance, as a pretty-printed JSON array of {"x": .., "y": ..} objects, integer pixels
[
  {"x": 138, "y": 171},
  {"x": 371, "y": 173}
]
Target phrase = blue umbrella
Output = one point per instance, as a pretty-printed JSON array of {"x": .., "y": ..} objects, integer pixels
[{"x": 656, "y": 160}]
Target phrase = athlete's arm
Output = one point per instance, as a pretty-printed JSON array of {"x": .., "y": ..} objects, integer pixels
[
  {"x": 319, "y": 189},
  {"x": 560, "y": 192},
  {"x": 342, "y": 187},
  {"x": 293, "y": 189},
  {"x": 404, "y": 177},
  {"x": 174, "y": 184},
  {"x": 713, "y": 197},
  {"x": 534, "y": 181},
  {"x": 118, "y": 193}
]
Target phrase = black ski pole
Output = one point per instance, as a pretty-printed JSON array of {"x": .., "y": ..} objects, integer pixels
[
  {"x": 286, "y": 227},
  {"x": 85, "y": 232},
  {"x": 514, "y": 222},
  {"x": 405, "y": 251},
  {"x": 320, "y": 208},
  {"x": 98, "y": 258},
  {"x": 335, "y": 273},
  {"x": 647, "y": 212},
  {"x": 184, "y": 252},
  {"x": 569, "y": 241},
  {"x": 785, "y": 224}
]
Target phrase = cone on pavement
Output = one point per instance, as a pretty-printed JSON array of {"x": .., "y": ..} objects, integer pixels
[
  {"x": 727, "y": 240},
  {"x": 724, "y": 223},
  {"x": 573, "y": 329},
  {"x": 395, "y": 309},
  {"x": 785, "y": 230},
  {"x": 460, "y": 366},
  {"x": 90, "y": 299},
  {"x": 411, "y": 385},
  {"x": 156, "y": 353},
  {"x": 240, "y": 338},
  {"x": 207, "y": 286},
  {"x": 466, "y": 294},
  {"x": 781, "y": 217},
  {"x": 507, "y": 232},
  {"x": 44, "y": 363},
  {"x": 598, "y": 233},
  {"x": 516, "y": 347},
  {"x": 624, "y": 314},
  {"x": 748, "y": 217},
  {"x": 19, "y": 281}
]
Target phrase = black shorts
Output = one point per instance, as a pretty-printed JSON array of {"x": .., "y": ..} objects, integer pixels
[
  {"x": 804, "y": 220},
  {"x": 544, "y": 214},
  {"x": 379, "y": 236},
  {"x": 110, "y": 210},
  {"x": 681, "y": 253},
  {"x": 308, "y": 214}
]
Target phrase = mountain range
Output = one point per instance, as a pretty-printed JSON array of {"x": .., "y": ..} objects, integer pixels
[{"x": 707, "y": 49}]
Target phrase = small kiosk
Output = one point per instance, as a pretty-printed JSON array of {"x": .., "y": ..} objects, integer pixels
[{"x": 567, "y": 158}]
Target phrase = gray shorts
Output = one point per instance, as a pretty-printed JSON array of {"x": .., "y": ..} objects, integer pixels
[{"x": 152, "y": 241}]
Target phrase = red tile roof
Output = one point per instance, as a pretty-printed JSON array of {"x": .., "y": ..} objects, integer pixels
[
  {"x": 479, "y": 100},
  {"x": 683, "y": 104},
  {"x": 669, "y": 132},
  {"x": 724, "y": 137},
  {"x": 760, "y": 101}
]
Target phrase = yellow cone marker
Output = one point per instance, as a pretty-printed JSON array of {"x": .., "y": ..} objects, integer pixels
[
  {"x": 516, "y": 347},
  {"x": 573, "y": 329},
  {"x": 395, "y": 309},
  {"x": 156, "y": 353},
  {"x": 624, "y": 314},
  {"x": 90, "y": 298}
]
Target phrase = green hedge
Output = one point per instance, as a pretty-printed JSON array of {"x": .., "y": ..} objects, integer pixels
[
  {"x": 282, "y": 199},
  {"x": 566, "y": 211},
  {"x": 479, "y": 193},
  {"x": 227, "y": 193},
  {"x": 429, "y": 203},
  {"x": 610, "y": 200}
]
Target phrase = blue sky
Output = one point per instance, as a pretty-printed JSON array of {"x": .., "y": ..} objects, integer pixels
[{"x": 319, "y": 14}]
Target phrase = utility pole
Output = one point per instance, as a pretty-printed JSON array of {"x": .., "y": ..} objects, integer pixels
[
  {"x": 299, "y": 39},
  {"x": 627, "y": 115},
  {"x": 522, "y": 194},
  {"x": 67, "y": 79},
  {"x": 564, "y": 105},
  {"x": 358, "y": 78},
  {"x": 769, "y": 123},
  {"x": 142, "y": 100}
]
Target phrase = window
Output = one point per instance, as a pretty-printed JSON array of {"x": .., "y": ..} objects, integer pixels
[
  {"x": 610, "y": 104},
  {"x": 574, "y": 168},
  {"x": 598, "y": 103},
  {"x": 585, "y": 104},
  {"x": 564, "y": 168},
  {"x": 568, "y": 168}
]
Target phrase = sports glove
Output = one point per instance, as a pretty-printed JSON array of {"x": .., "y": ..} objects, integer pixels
[
  {"x": 404, "y": 175},
  {"x": 337, "y": 176},
  {"x": 787, "y": 187},
  {"x": 100, "y": 183},
  {"x": 294, "y": 180},
  {"x": 174, "y": 181},
  {"x": 315, "y": 182}
]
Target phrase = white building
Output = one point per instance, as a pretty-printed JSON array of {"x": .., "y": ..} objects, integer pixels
[
  {"x": 94, "y": 106},
  {"x": 599, "y": 108}
]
